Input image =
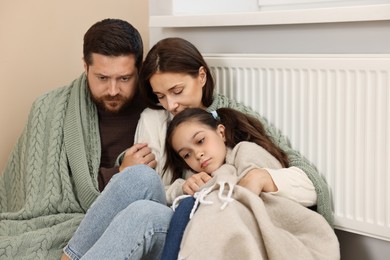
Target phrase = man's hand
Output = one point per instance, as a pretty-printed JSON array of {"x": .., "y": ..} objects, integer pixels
[
  {"x": 192, "y": 184},
  {"x": 138, "y": 154}
]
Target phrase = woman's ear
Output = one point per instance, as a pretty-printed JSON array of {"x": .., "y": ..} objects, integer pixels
[
  {"x": 202, "y": 75},
  {"x": 221, "y": 131}
]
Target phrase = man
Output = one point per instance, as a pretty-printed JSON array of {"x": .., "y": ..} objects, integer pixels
[{"x": 67, "y": 151}]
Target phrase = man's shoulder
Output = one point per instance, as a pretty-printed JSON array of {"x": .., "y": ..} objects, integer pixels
[
  {"x": 55, "y": 93},
  {"x": 51, "y": 99},
  {"x": 63, "y": 91}
]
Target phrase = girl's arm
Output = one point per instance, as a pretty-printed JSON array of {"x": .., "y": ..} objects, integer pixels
[
  {"x": 295, "y": 158},
  {"x": 291, "y": 183},
  {"x": 260, "y": 172}
]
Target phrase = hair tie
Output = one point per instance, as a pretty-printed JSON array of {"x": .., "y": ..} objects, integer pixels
[{"x": 215, "y": 114}]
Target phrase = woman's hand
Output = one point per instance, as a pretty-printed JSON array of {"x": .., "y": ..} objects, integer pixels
[
  {"x": 138, "y": 154},
  {"x": 258, "y": 180},
  {"x": 192, "y": 184}
]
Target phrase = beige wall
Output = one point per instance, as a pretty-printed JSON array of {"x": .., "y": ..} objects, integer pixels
[{"x": 41, "y": 49}]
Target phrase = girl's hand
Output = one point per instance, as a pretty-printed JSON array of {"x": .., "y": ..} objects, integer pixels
[
  {"x": 192, "y": 184},
  {"x": 258, "y": 180}
]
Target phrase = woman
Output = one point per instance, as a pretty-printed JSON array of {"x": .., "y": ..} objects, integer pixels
[{"x": 173, "y": 77}]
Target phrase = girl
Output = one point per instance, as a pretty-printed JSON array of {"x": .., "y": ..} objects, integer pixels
[
  {"x": 200, "y": 141},
  {"x": 228, "y": 145}
]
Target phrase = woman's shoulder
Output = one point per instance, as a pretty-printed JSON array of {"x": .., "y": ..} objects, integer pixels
[
  {"x": 154, "y": 114},
  {"x": 220, "y": 100}
]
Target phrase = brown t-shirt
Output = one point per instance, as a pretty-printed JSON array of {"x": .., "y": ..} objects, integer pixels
[{"x": 116, "y": 135}]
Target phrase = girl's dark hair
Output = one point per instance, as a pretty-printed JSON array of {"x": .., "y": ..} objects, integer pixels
[
  {"x": 238, "y": 127},
  {"x": 113, "y": 37},
  {"x": 178, "y": 56}
]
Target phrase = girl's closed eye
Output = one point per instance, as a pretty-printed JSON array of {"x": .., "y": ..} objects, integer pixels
[{"x": 186, "y": 156}]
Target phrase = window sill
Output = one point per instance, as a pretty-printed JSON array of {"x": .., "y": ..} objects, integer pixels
[{"x": 277, "y": 17}]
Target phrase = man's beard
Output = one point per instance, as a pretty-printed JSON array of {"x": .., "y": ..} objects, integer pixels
[{"x": 111, "y": 104}]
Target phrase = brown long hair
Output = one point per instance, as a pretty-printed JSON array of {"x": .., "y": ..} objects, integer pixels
[
  {"x": 174, "y": 55},
  {"x": 238, "y": 127}
]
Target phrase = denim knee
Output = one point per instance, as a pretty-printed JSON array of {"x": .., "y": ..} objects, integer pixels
[
  {"x": 155, "y": 213},
  {"x": 140, "y": 178},
  {"x": 136, "y": 232},
  {"x": 149, "y": 176}
]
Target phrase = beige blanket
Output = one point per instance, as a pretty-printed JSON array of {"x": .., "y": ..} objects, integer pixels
[{"x": 249, "y": 227}]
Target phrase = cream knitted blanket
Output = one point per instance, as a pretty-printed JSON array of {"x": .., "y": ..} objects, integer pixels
[
  {"x": 51, "y": 176},
  {"x": 254, "y": 228},
  {"x": 251, "y": 228},
  {"x": 233, "y": 223}
]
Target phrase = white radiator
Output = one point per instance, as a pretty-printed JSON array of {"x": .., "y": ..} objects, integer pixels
[{"x": 335, "y": 110}]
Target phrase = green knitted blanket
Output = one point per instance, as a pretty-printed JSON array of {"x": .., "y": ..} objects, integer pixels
[
  {"x": 295, "y": 158},
  {"x": 50, "y": 180}
]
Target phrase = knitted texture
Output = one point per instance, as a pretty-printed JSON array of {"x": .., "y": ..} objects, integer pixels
[
  {"x": 295, "y": 158},
  {"x": 43, "y": 197},
  {"x": 265, "y": 227},
  {"x": 249, "y": 227}
]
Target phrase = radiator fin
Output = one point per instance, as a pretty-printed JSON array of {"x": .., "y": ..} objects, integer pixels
[{"x": 334, "y": 110}]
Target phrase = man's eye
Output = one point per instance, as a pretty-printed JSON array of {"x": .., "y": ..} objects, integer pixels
[
  {"x": 102, "y": 77},
  {"x": 125, "y": 79}
]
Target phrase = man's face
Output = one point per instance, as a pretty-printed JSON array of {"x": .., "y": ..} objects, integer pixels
[{"x": 112, "y": 80}]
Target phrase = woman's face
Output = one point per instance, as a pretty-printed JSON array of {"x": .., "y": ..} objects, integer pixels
[
  {"x": 201, "y": 147},
  {"x": 178, "y": 91}
]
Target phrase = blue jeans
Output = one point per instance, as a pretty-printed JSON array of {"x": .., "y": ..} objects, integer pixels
[
  {"x": 178, "y": 224},
  {"x": 129, "y": 220}
]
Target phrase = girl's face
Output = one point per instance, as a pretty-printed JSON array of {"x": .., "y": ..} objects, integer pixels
[
  {"x": 201, "y": 147},
  {"x": 178, "y": 91}
]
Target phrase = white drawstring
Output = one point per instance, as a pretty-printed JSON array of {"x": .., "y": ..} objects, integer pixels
[
  {"x": 176, "y": 201},
  {"x": 228, "y": 198},
  {"x": 201, "y": 195},
  {"x": 200, "y": 198}
]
